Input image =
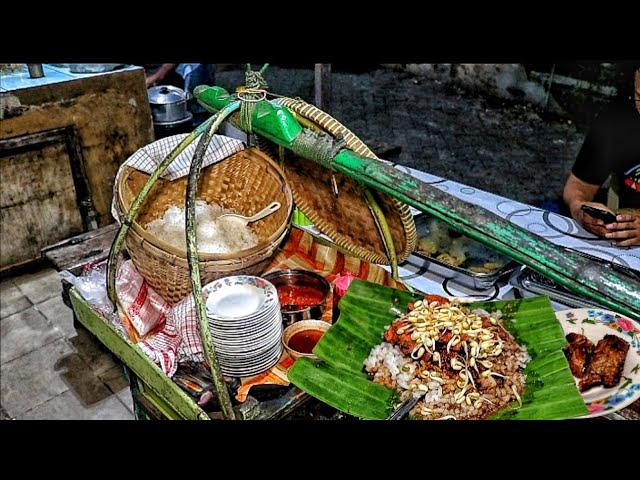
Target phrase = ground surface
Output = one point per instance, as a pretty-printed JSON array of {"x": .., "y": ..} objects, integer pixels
[
  {"x": 507, "y": 149},
  {"x": 50, "y": 371}
]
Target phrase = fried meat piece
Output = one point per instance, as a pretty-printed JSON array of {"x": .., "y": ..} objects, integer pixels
[
  {"x": 589, "y": 380},
  {"x": 578, "y": 353},
  {"x": 607, "y": 362},
  {"x": 403, "y": 340}
]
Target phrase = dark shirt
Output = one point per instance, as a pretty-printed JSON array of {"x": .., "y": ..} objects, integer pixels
[{"x": 612, "y": 147}]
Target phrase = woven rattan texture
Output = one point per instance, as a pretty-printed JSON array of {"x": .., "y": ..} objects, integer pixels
[
  {"x": 246, "y": 182},
  {"x": 365, "y": 245}
]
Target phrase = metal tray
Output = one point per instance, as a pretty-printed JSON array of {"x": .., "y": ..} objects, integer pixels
[
  {"x": 537, "y": 283},
  {"x": 476, "y": 253},
  {"x": 93, "y": 67}
]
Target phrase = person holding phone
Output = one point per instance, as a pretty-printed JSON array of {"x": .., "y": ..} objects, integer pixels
[{"x": 610, "y": 150}]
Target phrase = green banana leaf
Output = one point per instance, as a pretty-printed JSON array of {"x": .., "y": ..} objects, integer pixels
[{"x": 338, "y": 378}]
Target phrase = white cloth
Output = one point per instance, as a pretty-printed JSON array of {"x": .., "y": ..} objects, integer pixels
[
  {"x": 147, "y": 158},
  {"x": 553, "y": 227}
]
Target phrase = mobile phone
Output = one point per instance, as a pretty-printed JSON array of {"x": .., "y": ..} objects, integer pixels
[{"x": 606, "y": 217}]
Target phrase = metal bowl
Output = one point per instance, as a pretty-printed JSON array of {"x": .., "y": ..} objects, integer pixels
[
  {"x": 290, "y": 313},
  {"x": 301, "y": 326}
]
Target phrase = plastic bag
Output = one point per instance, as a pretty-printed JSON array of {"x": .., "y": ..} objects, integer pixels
[
  {"x": 144, "y": 308},
  {"x": 92, "y": 285}
]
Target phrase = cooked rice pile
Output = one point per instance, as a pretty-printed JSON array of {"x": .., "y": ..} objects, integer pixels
[
  {"x": 215, "y": 235},
  {"x": 467, "y": 365}
]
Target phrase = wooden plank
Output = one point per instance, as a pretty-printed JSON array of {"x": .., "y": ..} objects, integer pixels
[
  {"x": 17, "y": 144},
  {"x": 38, "y": 201},
  {"x": 322, "y": 83},
  {"x": 80, "y": 180},
  {"x": 154, "y": 405},
  {"x": 75, "y": 252},
  {"x": 68, "y": 136}
]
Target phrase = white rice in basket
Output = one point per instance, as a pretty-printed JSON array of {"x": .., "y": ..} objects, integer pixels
[{"x": 215, "y": 235}]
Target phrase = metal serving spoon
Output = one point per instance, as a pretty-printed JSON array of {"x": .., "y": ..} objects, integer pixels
[
  {"x": 406, "y": 406},
  {"x": 265, "y": 212}
]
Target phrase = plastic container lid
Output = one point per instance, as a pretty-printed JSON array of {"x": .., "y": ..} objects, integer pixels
[{"x": 342, "y": 283}]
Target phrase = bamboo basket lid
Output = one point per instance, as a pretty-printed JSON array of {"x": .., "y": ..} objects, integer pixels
[{"x": 347, "y": 218}]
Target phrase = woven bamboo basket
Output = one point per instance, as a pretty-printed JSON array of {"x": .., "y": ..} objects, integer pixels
[
  {"x": 345, "y": 218},
  {"x": 245, "y": 182}
]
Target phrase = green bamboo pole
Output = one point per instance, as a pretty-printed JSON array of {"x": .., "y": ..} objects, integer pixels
[
  {"x": 118, "y": 243},
  {"x": 609, "y": 287},
  {"x": 383, "y": 228},
  {"x": 194, "y": 264}
]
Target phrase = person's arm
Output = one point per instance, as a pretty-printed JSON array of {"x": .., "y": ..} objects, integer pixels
[
  {"x": 625, "y": 232},
  {"x": 577, "y": 193},
  {"x": 589, "y": 172},
  {"x": 162, "y": 72}
]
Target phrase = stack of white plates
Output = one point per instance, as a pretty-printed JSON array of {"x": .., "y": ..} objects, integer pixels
[{"x": 245, "y": 323}]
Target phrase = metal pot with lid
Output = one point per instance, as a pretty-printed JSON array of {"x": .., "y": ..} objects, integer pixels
[{"x": 168, "y": 104}]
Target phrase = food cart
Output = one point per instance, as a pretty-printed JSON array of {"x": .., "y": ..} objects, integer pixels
[{"x": 280, "y": 126}]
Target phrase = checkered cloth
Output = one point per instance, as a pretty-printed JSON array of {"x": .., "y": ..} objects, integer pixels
[{"x": 147, "y": 158}]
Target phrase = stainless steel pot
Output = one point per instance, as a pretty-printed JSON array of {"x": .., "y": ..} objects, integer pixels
[
  {"x": 168, "y": 104},
  {"x": 292, "y": 313}
]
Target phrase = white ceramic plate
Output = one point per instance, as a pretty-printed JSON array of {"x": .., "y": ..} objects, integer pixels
[
  {"x": 247, "y": 333},
  {"x": 246, "y": 324},
  {"x": 248, "y": 341},
  {"x": 245, "y": 347},
  {"x": 240, "y": 297},
  {"x": 242, "y": 371},
  {"x": 235, "y": 363},
  {"x": 245, "y": 292},
  {"x": 243, "y": 323},
  {"x": 594, "y": 324},
  {"x": 253, "y": 350}
]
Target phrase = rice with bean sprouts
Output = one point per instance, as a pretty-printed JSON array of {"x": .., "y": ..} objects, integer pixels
[{"x": 464, "y": 362}]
